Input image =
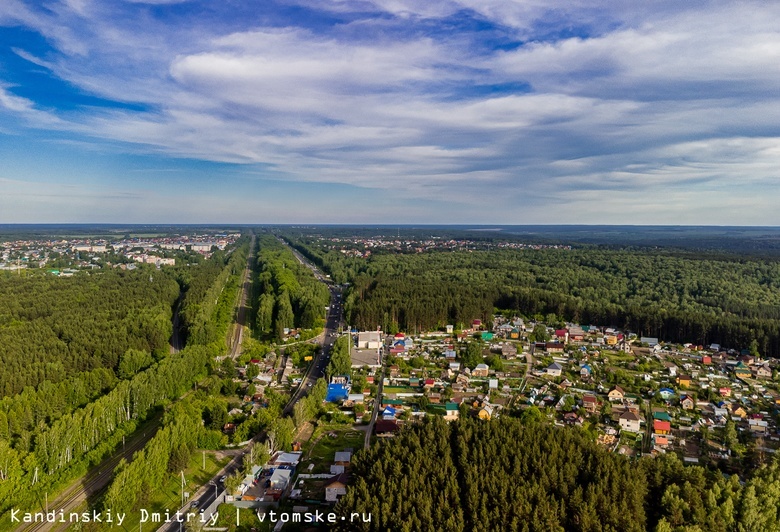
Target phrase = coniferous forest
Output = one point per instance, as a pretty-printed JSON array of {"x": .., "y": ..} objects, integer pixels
[
  {"x": 478, "y": 476},
  {"x": 87, "y": 360},
  {"x": 53, "y": 328},
  {"x": 679, "y": 296},
  {"x": 289, "y": 296}
]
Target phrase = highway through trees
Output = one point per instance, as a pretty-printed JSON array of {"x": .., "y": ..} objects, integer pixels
[{"x": 205, "y": 497}]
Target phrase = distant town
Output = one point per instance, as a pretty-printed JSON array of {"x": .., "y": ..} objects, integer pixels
[
  {"x": 67, "y": 256},
  {"x": 365, "y": 246}
]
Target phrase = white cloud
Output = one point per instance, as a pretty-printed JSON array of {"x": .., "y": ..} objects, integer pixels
[{"x": 675, "y": 98}]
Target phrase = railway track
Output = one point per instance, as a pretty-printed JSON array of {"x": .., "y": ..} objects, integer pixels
[{"x": 76, "y": 495}]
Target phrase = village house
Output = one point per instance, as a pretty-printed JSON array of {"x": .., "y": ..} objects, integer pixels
[
  {"x": 757, "y": 425},
  {"x": 741, "y": 371},
  {"x": 590, "y": 403},
  {"x": 554, "y": 370},
  {"x": 451, "y": 411},
  {"x": 629, "y": 421},
  {"x": 386, "y": 428},
  {"x": 660, "y": 441},
  {"x": 486, "y": 412},
  {"x": 509, "y": 350},
  {"x": 763, "y": 372},
  {"x": 687, "y": 402},
  {"x": 616, "y": 393},
  {"x": 336, "y": 487},
  {"x": 480, "y": 371},
  {"x": 666, "y": 393},
  {"x": 661, "y": 427},
  {"x": 342, "y": 458},
  {"x": 553, "y": 347}
]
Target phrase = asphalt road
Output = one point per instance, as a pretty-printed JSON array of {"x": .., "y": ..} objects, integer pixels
[{"x": 316, "y": 370}]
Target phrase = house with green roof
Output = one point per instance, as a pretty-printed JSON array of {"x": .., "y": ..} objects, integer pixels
[
  {"x": 662, "y": 416},
  {"x": 741, "y": 371}
]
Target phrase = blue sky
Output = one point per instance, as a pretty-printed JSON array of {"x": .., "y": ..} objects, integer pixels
[{"x": 390, "y": 111}]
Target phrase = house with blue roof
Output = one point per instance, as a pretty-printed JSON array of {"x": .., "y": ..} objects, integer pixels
[
  {"x": 336, "y": 393},
  {"x": 666, "y": 393}
]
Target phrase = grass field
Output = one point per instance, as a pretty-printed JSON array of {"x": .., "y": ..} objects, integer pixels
[
  {"x": 321, "y": 448},
  {"x": 401, "y": 389}
]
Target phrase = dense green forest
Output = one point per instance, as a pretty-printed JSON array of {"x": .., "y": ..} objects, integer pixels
[
  {"x": 289, "y": 296},
  {"x": 676, "y": 297},
  {"x": 110, "y": 329},
  {"x": 52, "y": 328},
  {"x": 502, "y": 475},
  {"x": 67, "y": 341}
]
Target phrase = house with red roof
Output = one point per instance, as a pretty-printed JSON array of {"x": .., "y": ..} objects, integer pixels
[{"x": 662, "y": 427}]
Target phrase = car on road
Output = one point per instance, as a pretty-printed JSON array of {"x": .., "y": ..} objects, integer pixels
[
  {"x": 194, "y": 504},
  {"x": 222, "y": 479}
]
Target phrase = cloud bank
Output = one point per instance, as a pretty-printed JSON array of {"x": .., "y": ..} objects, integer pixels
[{"x": 508, "y": 111}]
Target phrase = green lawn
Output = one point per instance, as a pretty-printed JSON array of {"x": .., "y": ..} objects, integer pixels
[
  {"x": 323, "y": 451},
  {"x": 616, "y": 357},
  {"x": 401, "y": 389}
]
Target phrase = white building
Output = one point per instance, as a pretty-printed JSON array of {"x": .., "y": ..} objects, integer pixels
[{"x": 370, "y": 340}]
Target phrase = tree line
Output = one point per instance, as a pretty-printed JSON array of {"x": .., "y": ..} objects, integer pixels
[
  {"x": 289, "y": 296},
  {"x": 87, "y": 434},
  {"x": 678, "y": 297},
  {"x": 507, "y": 475},
  {"x": 52, "y": 433},
  {"x": 54, "y": 328}
]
